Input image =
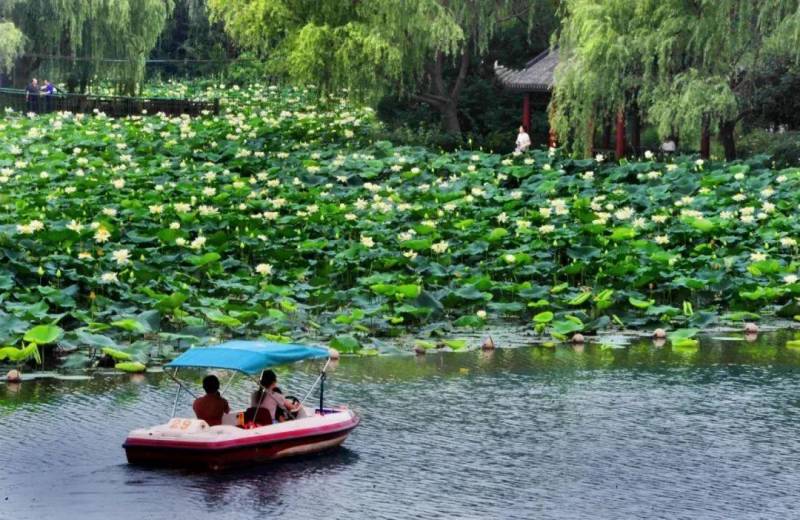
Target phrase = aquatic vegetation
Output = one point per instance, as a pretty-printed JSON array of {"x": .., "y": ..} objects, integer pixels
[{"x": 283, "y": 217}]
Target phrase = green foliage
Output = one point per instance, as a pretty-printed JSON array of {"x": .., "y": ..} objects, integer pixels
[
  {"x": 372, "y": 47},
  {"x": 366, "y": 47},
  {"x": 123, "y": 29},
  {"x": 782, "y": 148},
  {"x": 11, "y": 44},
  {"x": 281, "y": 218},
  {"x": 678, "y": 64}
]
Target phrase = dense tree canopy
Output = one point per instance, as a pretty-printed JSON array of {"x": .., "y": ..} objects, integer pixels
[
  {"x": 374, "y": 46},
  {"x": 110, "y": 38},
  {"x": 681, "y": 64}
]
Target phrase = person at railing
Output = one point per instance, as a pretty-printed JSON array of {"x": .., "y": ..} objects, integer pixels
[
  {"x": 32, "y": 95},
  {"x": 48, "y": 89}
]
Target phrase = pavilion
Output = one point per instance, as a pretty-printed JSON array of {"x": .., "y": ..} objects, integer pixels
[{"x": 536, "y": 81}]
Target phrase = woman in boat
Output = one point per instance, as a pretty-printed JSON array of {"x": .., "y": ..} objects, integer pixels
[{"x": 270, "y": 397}]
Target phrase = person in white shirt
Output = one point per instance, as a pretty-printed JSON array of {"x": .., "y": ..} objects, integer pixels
[{"x": 523, "y": 140}]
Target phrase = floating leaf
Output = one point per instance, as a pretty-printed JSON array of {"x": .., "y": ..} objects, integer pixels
[
  {"x": 43, "y": 334},
  {"x": 131, "y": 367}
]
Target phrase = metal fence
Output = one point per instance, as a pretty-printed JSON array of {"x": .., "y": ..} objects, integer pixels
[{"x": 112, "y": 106}]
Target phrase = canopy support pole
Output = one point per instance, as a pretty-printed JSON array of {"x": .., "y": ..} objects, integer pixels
[
  {"x": 228, "y": 384},
  {"x": 180, "y": 387},
  {"x": 322, "y": 393},
  {"x": 177, "y": 394},
  {"x": 319, "y": 378}
]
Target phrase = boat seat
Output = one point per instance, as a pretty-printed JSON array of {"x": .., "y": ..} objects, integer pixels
[{"x": 259, "y": 416}]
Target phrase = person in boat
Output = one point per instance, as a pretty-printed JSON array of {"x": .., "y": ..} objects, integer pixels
[
  {"x": 211, "y": 407},
  {"x": 270, "y": 397}
]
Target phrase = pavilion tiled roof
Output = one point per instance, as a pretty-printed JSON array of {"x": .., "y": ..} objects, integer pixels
[{"x": 537, "y": 76}]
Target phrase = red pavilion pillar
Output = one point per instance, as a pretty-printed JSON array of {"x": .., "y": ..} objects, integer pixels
[
  {"x": 620, "y": 148},
  {"x": 526, "y": 112}
]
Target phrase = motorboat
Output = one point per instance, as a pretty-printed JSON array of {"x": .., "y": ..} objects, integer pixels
[{"x": 191, "y": 442}]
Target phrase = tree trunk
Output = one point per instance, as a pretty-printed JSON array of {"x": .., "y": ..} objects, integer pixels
[
  {"x": 450, "y": 122},
  {"x": 607, "y": 136},
  {"x": 442, "y": 98},
  {"x": 620, "y": 144},
  {"x": 705, "y": 139},
  {"x": 726, "y": 137},
  {"x": 636, "y": 131},
  {"x": 588, "y": 151}
]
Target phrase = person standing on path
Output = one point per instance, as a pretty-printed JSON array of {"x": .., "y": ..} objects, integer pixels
[
  {"x": 32, "y": 95},
  {"x": 523, "y": 140}
]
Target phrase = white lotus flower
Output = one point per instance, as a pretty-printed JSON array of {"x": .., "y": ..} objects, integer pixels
[
  {"x": 198, "y": 242},
  {"x": 118, "y": 183},
  {"x": 101, "y": 235},
  {"x": 121, "y": 256},
  {"x": 109, "y": 277},
  {"x": 264, "y": 269},
  {"x": 367, "y": 241},
  {"x": 440, "y": 247}
]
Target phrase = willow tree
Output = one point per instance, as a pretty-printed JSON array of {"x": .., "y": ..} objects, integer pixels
[
  {"x": 372, "y": 47},
  {"x": 686, "y": 64},
  {"x": 103, "y": 38},
  {"x": 11, "y": 44}
]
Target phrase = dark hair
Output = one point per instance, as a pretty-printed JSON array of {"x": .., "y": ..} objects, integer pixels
[
  {"x": 210, "y": 384},
  {"x": 267, "y": 378}
]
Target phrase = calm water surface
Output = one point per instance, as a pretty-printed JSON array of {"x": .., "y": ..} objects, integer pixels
[{"x": 639, "y": 432}]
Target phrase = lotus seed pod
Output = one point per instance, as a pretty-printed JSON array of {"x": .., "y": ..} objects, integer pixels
[
  {"x": 13, "y": 376},
  {"x": 578, "y": 338},
  {"x": 751, "y": 328},
  {"x": 488, "y": 343},
  {"x": 420, "y": 351},
  {"x": 333, "y": 353},
  {"x": 659, "y": 333}
]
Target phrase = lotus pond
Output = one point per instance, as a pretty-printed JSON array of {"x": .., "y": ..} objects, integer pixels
[
  {"x": 579, "y": 432},
  {"x": 286, "y": 217}
]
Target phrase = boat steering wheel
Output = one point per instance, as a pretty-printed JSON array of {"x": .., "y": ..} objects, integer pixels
[{"x": 295, "y": 402}]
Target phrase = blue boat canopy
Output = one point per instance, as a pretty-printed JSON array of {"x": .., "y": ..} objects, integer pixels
[{"x": 250, "y": 357}]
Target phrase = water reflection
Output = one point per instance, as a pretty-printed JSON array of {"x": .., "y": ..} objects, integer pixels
[{"x": 531, "y": 432}]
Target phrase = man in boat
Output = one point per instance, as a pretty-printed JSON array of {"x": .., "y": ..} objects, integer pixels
[
  {"x": 211, "y": 407},
  {"x": 268, "y": 396}
]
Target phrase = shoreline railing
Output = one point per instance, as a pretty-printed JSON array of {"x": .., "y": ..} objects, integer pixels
[{"x": 112, "y": 106}]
